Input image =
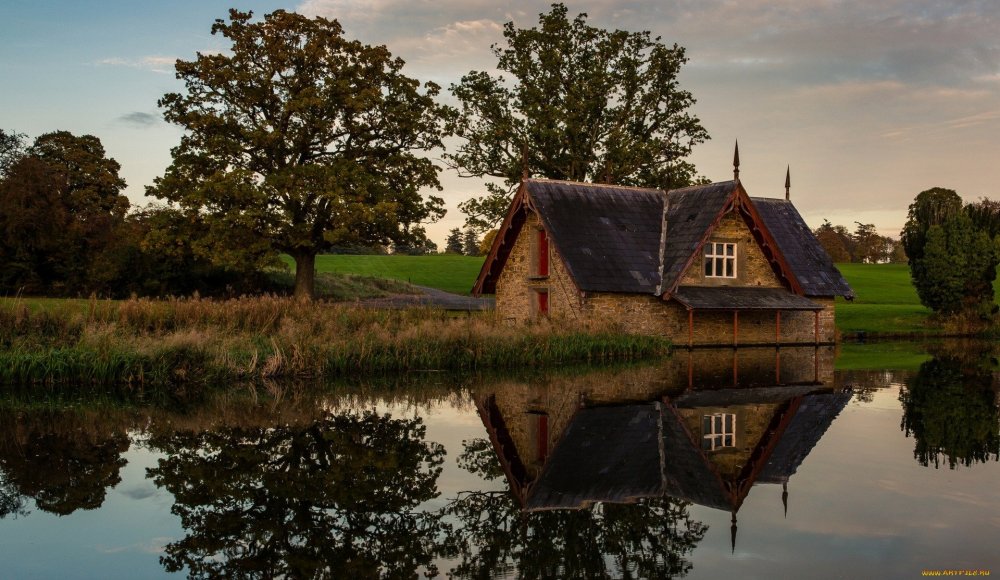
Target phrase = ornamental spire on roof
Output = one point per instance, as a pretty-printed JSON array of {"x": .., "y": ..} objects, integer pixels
[
  {"x": 736, "y": 162},
  {"x": 525, "y": 173},
  {"x": 732, "y": 532},
  {"x": 788, "y": 182}
]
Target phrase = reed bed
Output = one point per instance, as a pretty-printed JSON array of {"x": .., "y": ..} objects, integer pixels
[{"x": 191, "y": 341}]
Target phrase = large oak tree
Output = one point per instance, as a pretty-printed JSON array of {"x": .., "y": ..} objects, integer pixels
[
  {"x": 586, "y": 104},
  {"x": 298, "y": 139}
]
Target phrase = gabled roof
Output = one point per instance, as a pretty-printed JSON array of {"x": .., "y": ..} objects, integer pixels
[
  {"x": 607, "y": 236},
  {"x": 623, "y": 453},
  {"x": 691, "y": 214},
  {"x": 807, "y": 427},
  {"x": 812, "y": 265},
  {"x": 605, "y": 454},
  {"x": 610, "y": 237}
]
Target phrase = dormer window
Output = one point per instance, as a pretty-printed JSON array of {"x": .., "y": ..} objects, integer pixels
[
  {"x": 718, "y": 431},
  {"x": 720, "y": 260}
]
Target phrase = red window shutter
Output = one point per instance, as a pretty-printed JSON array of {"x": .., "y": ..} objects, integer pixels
[
  {"x": 543, "y": 253},
  {"x": 543, "y": 303}
]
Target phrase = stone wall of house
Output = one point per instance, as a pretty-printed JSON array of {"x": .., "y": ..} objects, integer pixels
[
  {"x": 559, "y": 397},
  {"x": 751, "y": 423},
  {"x": 518, "y": 287},
  {"x": 752, "y": 268}
]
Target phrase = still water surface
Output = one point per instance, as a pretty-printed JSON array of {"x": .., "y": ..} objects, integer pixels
[{"x": 753, "y": 464}]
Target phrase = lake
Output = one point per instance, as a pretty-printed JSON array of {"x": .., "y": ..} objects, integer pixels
[{"x": 869, "y": 461}]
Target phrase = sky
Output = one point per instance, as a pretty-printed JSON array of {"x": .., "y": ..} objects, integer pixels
[{"x": 869, "y": 103}]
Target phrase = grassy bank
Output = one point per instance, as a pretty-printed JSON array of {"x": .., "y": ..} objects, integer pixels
[
  {"x": 181, "y": 342},
  {"x": 887, "y": 306},
  {"x": 448, "y": 272},
  {"x": 886, "y": 302}
]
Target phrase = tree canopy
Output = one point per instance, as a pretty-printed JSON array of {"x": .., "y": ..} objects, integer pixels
[
  {"x": 298, "y": 139},
  {"x": 336, "y": 497},
  {"x": 587, "y": 104},
  {"x": 952, "y": 258},
  {"x": 61, "y": 205}
]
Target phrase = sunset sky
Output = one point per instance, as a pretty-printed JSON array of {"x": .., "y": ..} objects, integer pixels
[{"x": 869, "y": 102}]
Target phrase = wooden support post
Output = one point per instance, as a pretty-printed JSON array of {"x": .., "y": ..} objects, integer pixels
[
  {"x": 690, "y": 369},
  {"x": 777, "y": 327},
  {"x": 690, "y": 328},
  {"x": 777, "y": 366},
  {"x": 736, "y": 328},
  {"x": 736, "y": 368},
  {"x": 817, "y": 327},
  {"x": 816, "y": 365}
]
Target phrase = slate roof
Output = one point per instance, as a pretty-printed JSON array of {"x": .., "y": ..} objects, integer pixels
[
  {"x": 623, "y": 453},
  {"x": 812, "y": 265},
  {"x": 608, "y": 236},
  {"x": 811, "y": 420},
  {"x": 741, "y": 298},
  {"x": 605, "y": 454},
  {"x": 692, "y": 210}
]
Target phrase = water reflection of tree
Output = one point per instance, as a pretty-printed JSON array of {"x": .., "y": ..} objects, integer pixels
[
  {"x": 57, "y": 461},
  {"x": 950, "y": 409},
  {"x": 648, "y": 539},
  {"x": 336, "y": 497}
]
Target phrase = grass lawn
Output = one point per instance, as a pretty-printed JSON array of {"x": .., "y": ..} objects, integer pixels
[
  {"x": 447, "y": 272},
  {"x": 54, "y": 305},
  {"x": 886, "y": 301}
]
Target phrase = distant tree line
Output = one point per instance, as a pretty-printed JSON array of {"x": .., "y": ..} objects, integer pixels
[
  {"x": 864, "y": 245},
  {"x": 66, "y": 229},
  {"x": 467, "y": 243}
]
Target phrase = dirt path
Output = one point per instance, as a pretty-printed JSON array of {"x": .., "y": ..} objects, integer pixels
[{"x": 432, "y": 298}]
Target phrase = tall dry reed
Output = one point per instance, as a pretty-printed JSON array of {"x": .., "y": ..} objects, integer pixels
[{"x": 200, "y": 340}]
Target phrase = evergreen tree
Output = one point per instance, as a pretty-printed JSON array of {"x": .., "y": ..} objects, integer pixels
[
  {"x": 470, "y": 242},
  {"x": 453, "y": 243}
]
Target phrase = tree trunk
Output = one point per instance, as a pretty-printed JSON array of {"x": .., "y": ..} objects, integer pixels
[{"x": 305, "y": 275}]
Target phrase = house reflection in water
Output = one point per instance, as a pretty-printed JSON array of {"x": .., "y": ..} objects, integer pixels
[{"x": 704, "y": 429}]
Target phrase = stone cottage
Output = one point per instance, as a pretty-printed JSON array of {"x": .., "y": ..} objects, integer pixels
[
  {"x": 703, "y": 265},
  {"x": 619, "y": 437}
]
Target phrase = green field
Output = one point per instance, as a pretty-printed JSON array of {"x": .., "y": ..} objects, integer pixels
[
  {"x": 448, "y": 272},
  {"x": 886, "y": 301}
]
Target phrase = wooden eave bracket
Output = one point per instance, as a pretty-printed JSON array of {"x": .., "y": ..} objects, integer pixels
[{"x": 495, "y": 256}]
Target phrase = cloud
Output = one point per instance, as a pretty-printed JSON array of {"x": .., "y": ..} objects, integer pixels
[
  {"x": 151, "y": 546},
  {"x": 154, "y": 63},
  {"x": 140, "y": 119}
]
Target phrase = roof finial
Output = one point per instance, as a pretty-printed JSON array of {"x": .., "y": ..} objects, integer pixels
[
  {"x": 525, "y": 174},
  {"x": 788, "y": 182},
  {"x": 784, "y": 496},
  {"x": 736, "y": 162},
  {"x": 732, "y": 530}
]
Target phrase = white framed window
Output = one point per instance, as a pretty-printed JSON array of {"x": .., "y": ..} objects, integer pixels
[
  {"x": 720, "y": 260},
  {"x": 718, "y": 431}
]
